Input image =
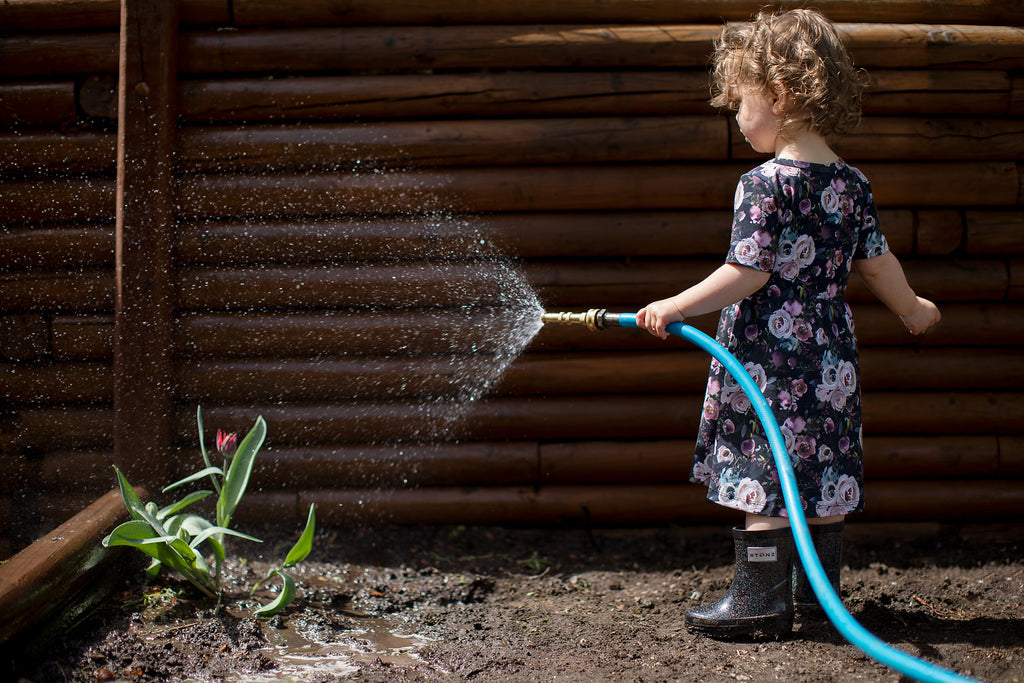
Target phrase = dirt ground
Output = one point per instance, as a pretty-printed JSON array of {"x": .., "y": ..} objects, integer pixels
[{"x": 490, "y": 604}]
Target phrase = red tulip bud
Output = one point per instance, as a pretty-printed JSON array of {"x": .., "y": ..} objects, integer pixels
[{"x": 226, "y": 443}]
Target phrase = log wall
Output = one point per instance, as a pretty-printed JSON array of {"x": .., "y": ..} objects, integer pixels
[{"x": 346, "y": 178}]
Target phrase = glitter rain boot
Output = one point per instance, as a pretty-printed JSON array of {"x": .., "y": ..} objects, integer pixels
[
  {"x": 828, "y": 544},
  {"x": 760, "y": 599}
]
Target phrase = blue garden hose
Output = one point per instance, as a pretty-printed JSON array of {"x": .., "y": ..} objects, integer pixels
[{"x": 844, "y": 622}]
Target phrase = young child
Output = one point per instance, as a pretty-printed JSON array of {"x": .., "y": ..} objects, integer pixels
[{"x": 802, "y": 221}]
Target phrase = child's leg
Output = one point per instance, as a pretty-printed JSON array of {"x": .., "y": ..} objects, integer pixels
[
  {"x": 761, "y": 523},
  {"x": 827, "y": 536}
]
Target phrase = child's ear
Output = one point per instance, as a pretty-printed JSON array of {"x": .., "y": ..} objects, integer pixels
[{"x": 781, "y": 99}]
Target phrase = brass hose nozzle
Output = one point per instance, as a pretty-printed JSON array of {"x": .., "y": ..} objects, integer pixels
[{"x": 595, "y": 319}]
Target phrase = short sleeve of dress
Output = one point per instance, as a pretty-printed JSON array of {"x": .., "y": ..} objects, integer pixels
[
  {"x": 870, "y": 241},
  {"x": 754, "y": 224}
]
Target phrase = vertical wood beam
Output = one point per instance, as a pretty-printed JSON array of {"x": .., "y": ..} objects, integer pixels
[{"x": 144, "y": 229}]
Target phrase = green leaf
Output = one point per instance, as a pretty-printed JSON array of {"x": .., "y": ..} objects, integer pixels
[
  {"x": 153, "y": 570},
  {"x": 209, "y": 471},
  {"x": 135, "y": 533},
  {"x": 167, "y": 550},
  {"x": 181, "y": 504},
  {"x": 304, "y": 545},
  {"x": 132, "y": 502},
  {"x": 207, "y": 533},
  {"x": 202, "y": 448},
  {"x": 237, "y": 478},
  {"x": 196, "y": 526},
  {"x": 284, "y": 598}
]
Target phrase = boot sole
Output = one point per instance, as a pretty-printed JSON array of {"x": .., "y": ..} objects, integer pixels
[{"x": 770, "y": 626}]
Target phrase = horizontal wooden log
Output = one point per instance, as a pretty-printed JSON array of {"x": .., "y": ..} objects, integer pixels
[
  {"x": 549, "y": 188},
  {"x": 642, "y": 504},
  {"x": 994, "y": 232},
  {"x": 291, "y": 334},
  {"x": 81, "y": 336},
  {"x": 939, "y": 232},
  {"x": 398, "y": 376},
  {"x": 398, "y": 96},
  {"x": 454, "y": 143},
  {"x": 595, "y": 505},
  {"x": 520, "y": 235},
  {"x": 468, "y": 284},
  {"x": 38, "y": 290},
  {"x": 374, "y": 285},
  {"x": 885, "y": 413},
  {"x": 967, "y": 324},
  {"x": 1016, "y": 288},
  {"x": 31, "y": 15},
  {"x": 554, "y": 418},
  {"x": 946, "y": 91},
  {"x": 645, "y": 372},
  {"x": 51, "y": 152},
  {"x": 669, "y": 461},
  {"x": 262, "y": 12},
  {"x": 526, "y": 235},
  {"x": 18, "y": 471},
  {"x": 883, "y": 138},
  {"x": 298, "y": 334},
  {"x": 59, "y": 55},
  {"x": 25, "y": 336},
  {"x": 63, "y": 200},
  {"x": 544, "y": 93},
  {"x": 636, "y": 461},
  {"x": 1016, "y": 107},
  {"x": 434, "y": 48},
  {"x": 1011, "y": 456},
  {"x": 395, "y": 377},
  {"x": 975, "y": 501},
  {"x": 57, "y": 247},
  {"x": 78, "y": 14},
  {"x": 57, "y": 382},
  {"x": 396, "y": 467},
  {"x": 437, "y": 48},
  {"x": 496, "y": 505},
  {"x": 36, "y": 105},
  {"x": 580, "y": 285},
  {"x": 486, "y": 189},
  {"x": 565, "y": 141},
  {"x": 503, "y": 46},
  {"x": 83, "y": 471},
  {"x": 574, "y": 187},
  {"x": 496, "y": 142}
]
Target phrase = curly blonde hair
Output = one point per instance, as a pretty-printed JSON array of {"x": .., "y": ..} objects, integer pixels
[{"x": 797, "y": 51}]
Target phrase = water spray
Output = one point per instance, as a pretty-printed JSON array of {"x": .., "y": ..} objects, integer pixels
[{"x": 598, "y": 319}]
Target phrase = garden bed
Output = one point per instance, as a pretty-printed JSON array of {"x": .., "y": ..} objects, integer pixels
[{"x": 494, "y": 604}]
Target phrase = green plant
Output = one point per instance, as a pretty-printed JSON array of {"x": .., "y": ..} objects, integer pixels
[
  {"x": 173, "y": 537},
  {"x": 297, "y": 554}
]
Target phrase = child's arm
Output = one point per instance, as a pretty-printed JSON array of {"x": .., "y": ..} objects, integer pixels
[
  {"x": 724, "y": 287},
  {"x": 885, "y": 278}
]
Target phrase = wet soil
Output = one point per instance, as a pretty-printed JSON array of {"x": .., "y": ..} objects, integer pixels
[{"x": 488, "y": 604}]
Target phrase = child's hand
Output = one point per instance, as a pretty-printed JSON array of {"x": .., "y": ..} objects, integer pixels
[
  {"x": 924, "y": 317},
  {"x": 655, "y": 317}
]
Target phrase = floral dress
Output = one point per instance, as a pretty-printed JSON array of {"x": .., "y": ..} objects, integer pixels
[{"x": 804, "y": 224}]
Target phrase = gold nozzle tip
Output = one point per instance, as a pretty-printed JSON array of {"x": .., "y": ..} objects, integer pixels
[{"x": 592, "y": 319}]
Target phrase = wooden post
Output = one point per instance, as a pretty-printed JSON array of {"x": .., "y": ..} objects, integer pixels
[{"x": 144, "y": 238}]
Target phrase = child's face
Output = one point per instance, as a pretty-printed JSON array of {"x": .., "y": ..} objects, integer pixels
[{"x": 759, "y": 118}]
